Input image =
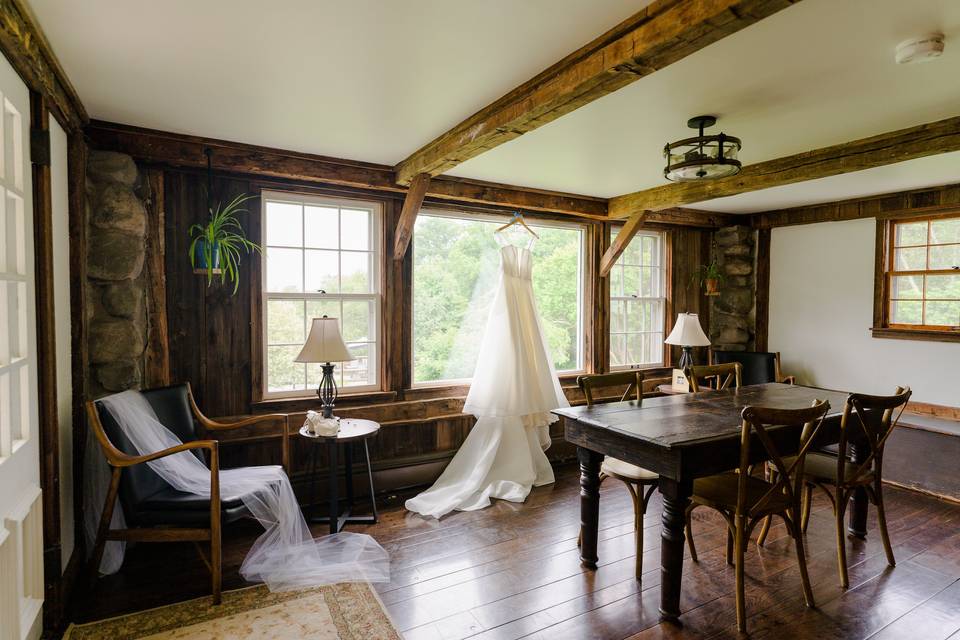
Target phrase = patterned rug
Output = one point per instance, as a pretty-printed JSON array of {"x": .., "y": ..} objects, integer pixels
[{"x": 336, "y": 612}]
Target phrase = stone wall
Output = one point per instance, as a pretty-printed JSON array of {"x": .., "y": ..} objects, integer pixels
[
  {"x": 116, "y": 312},
  {"x": 732, "y": 313}
]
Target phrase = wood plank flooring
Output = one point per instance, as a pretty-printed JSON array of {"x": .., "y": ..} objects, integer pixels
[{"x": 512, "y": 571}]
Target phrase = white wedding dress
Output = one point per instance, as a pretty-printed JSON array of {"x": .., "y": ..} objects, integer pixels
[{"x": 513, "y": 391}]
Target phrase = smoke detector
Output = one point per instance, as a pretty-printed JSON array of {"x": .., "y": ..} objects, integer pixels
[{"x": 920, "y": 49}]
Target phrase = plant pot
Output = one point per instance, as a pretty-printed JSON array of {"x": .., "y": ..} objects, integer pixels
[
  {"x": 712, "y": 286},
  {"x": 200, "y": 257}
]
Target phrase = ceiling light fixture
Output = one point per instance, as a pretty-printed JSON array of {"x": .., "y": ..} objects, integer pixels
[
  {"x": 702, "y": 157},
  {"x": 921, "y": 49}
]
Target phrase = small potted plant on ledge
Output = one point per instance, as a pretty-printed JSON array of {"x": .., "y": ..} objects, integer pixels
[
  {"x": 710, "y": 278},
  {"x": 216, "y": 246}
]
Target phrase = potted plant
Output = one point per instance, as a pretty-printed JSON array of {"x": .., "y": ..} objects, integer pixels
[
  {"x": 216, "y": 246},
  {"x": 710, "y": 278}
]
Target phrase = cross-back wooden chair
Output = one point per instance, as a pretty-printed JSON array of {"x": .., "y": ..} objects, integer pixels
[
  {"x": 867, "y": 422},
  {"x": 745, "y": 500},
  {"x": 723, "y": 376},
  {"x": 154, "y": 510},
  {"x": 640, "y": 482}
]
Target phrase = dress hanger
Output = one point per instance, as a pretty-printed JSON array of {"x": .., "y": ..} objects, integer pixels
[{"x": 518, "y": 218}]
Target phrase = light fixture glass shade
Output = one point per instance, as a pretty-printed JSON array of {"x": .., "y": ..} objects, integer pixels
[
  {"x": 324, "y": 343},
  {"x": 687, "y": 332},
  {"x": 702, "y": 158}
]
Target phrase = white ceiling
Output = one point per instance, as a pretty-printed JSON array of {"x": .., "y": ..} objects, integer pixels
[{"x": 375, "y": 80}]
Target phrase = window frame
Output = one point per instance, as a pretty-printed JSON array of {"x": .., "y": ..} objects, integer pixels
[
  {"x": 885, "y": 271},
  {"x": 664, "y": 299},
  {"x": 376, "y": 296},
  {"x": 534, "y": 221}
]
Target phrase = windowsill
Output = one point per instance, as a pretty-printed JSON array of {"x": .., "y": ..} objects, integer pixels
[
  {"x": 305, "y": 402},
  {"x": 916, "y": 334}
]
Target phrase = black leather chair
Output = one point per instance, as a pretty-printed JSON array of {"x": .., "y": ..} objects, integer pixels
[
  {"x": 758, "y": 366},
  {"x": 155, "y": 511}
]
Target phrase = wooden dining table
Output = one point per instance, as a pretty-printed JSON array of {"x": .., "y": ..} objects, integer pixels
[{"x": 681, "y": 438}]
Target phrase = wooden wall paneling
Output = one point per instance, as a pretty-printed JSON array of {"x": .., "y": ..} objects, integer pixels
[
  {"x": 157, "y": 355},
  {"x": 762, "y": 312},
  {"x": 881, "y": 257},
  {"x": 394, "y": 324},
  {"x": 668, "y": 312},
  {"x": 688, "y": 250},
  {"x": 596, "y": 301},
  {"x": 46, "y": 311}
]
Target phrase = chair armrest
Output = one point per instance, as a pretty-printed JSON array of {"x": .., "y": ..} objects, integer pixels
[
  {"x": 213, "y": 425},
  {"x": 129, "y": 461},
  {"x": 788, "y": 379}
]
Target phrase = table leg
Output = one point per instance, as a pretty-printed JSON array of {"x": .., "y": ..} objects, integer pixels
[
  {"x": 676, "y": 498},
  {"x": 373, "y": 494},
  {"x": 589, "y": 505},
  {"x": 348, "y": 463},
  {"x": 333, "y": 481},
  {"x": 313, "y": 481},
  {"x": 857, "y": 523}
]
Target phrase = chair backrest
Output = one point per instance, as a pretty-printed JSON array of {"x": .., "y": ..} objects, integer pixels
[
  {"x": 730, "y": 373},
  {"x": 172, "y": 406},
  {"x": 758, "y": 366},
  {"x": 868, "y": 421},
  {"x": 633, "y": 379},
  {"x": 789, "y": 479}
]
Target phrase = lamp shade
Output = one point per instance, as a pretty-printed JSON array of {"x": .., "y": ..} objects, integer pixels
[
  {"x": 324, "y": 343},
  {"x": 687, "y": 332}
]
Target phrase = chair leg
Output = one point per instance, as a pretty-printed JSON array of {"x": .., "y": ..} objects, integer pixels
[
  {"x": 738, "y": 565},
  {"x": 638, "y": 509},
  {"x": 689, "y": 532},
  {"x": 805, "y": 511},
  {"x": 104, "y": 527},
  {"x": 839, "y": 510},
  {"x": 764, "y": 530},
  {"x": 882, "y": 522},
  {"x": 730, "y": 537},
  {"x": 802, "y": 561}
]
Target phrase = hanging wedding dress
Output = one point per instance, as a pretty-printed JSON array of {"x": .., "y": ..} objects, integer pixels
[
  {"x": 513, "y": 391},
  {"x": 285, "y": 556}
]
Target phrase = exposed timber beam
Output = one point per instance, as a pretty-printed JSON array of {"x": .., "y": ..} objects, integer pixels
[
  {"x": 619, "y": 244},
  {"x": 178, "y": 150},
  {"x": 659, "y": 35},
  {"x": 408, "y": 215},
  {"x": 924, "y": 140}
]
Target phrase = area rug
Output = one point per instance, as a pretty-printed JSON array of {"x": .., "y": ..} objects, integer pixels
[{"x": 336, "y": 612}]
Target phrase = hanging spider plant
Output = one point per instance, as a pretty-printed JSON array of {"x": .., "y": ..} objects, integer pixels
[{"x": 217, "y": 245}]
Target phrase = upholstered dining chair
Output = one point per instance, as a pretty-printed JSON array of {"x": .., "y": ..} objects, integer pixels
[
  {"x": 639, "y": 481},
  {"x": 745, "y": 500},
  {"x": 154, "y": 510},
  {"x": 867, "y": 421},
  {"x": 723, "y": 375},
  {"x": 758, "y": 367}
]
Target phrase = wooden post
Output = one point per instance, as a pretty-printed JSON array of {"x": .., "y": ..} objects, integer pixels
[
  {"x": 408, "y": 216},
  {"x": 157, "y": 355}
]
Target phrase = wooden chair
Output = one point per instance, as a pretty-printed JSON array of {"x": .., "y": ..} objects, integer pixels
[
  {"x": 867, "y": 422},
  {"x": 155, "y": 511},
  {"x": 723, "y": 375},
  {"x": 639, "y": 481},
  {"x": 759, "y": 367},
  {"x": 745, "y": 500}
]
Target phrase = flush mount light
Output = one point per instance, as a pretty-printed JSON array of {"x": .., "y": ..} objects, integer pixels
[
  {"x": 921, "y": 49},
  {"x": 702, "y": 157}
]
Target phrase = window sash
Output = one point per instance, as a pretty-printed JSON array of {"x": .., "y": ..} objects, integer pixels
[
  {"x": 659, "y": 268},
  {"x": 374, "y": 296},
  {"x": 891, "y": 272}
]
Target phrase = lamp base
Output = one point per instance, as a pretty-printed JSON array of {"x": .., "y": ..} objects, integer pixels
[
  {"x": 686, "y": 358},
  {"x": 327, "y": 391}
]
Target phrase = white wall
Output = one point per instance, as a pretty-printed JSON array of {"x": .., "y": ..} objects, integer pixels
[
  {"x": 61, "y": 295},
  {"x": 821, "y": 310}
]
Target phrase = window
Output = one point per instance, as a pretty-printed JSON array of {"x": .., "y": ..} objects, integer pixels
[
  {"x": 322, "y": 257},
  {"x": 455, "y": 269},
  {"x": 638, "y": 303},
  {"x": 923, "y": 274}
]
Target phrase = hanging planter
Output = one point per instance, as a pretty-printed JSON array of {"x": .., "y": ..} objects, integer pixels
[
  {"x": 206, "y": 257},
  {"x": 711, "y": 277}
]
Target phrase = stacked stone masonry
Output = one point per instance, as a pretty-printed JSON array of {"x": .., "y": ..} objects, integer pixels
[{"x": 733, "y": 312}]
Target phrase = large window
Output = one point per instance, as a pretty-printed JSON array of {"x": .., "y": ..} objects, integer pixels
[
  {"x": 637, "y": 303},
  {"x": 322, "y": 257},
  {"x": 923, "y": 274},
  {"x": 455, "y": 271}
]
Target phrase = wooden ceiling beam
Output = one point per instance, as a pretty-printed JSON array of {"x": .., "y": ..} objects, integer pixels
[
  {"x": 659, "y": 35},
  {"x": 620, "y": 243},
  {"x": 924, "y": 140},
  {"x": 179, "y": 150},
  {"x": 408, "y": 215}
]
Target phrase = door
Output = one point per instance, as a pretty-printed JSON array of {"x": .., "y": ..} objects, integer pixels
[{"x": 21, "y": 513}]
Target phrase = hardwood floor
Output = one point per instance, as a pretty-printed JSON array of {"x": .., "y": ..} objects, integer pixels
[{"x": 512, "y": 571}]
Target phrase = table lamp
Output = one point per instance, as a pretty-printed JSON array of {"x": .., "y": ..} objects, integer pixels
[
  {"x": 325, "y": 345},
  {"x": 686, "y": 334}
]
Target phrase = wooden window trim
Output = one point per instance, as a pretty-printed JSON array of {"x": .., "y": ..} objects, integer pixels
[{"x": 882, "y": 327}]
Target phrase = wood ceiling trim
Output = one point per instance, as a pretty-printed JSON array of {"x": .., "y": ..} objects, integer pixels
[
  {"x": 663, "y": 33},
  {"x": 924, "y": 140}
]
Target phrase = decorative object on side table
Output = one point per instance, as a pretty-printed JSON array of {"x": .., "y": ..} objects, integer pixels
[
  {"x": 351, "y": 431},
  {"x": 216, "y": 246},
  {"x": 325, "y": 345},
  {"x": 687, "y": 333}
]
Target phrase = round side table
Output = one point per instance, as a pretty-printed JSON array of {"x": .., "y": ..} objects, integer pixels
[{"x": 351, "y": 432}]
